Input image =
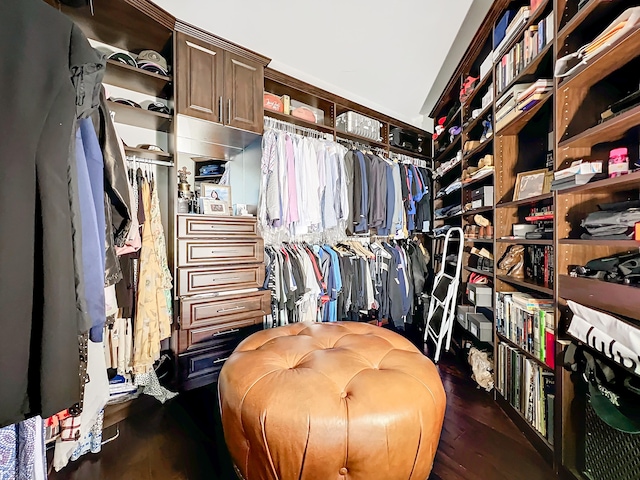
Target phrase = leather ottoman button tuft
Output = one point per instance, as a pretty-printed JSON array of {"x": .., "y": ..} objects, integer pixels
[
  {"x": 343, "y": 395},
  {"x": 343, "y": 471}
]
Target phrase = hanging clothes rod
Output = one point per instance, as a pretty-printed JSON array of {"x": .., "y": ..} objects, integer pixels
[
  {"x": 414, "y": 161},
  {"x": 136, "y": 159},
  {"x": 363, "y": 146},
  {"x": 276, "y": 124}
]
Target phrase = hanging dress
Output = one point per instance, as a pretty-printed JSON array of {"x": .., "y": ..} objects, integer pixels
[{"x": 152, "y": 321}]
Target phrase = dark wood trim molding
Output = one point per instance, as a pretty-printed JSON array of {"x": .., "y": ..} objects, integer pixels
[{"x": 184, "y": 27}]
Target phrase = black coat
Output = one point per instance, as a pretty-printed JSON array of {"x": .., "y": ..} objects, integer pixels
[{"x": 47, "y": 79}]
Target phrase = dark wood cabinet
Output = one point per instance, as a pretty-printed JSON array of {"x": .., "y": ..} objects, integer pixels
[
  {"x": 243, "y": 89},
  {"x": 199, "y": 68},
  {"x": 217, "y": 85}
]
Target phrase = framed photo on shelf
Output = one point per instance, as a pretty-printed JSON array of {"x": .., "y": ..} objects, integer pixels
[
  {"x": 216, "y": 192},
  {"x": 209, "y": 206},
  {"x": 530, "y": 184}
]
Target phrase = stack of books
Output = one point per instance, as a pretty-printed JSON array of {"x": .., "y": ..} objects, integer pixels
[
  {"x": 507, "y": 105},
  {"x": 579, "y": 173},
  {"x": 528, "y": 322},
  {"x": 535, "y": 38},
  {"x": 520, "y": 98},
  {"x": 527, "y": 387},
  {"x": 533, "y": 94},
  {"x": 538, "y": 264}
]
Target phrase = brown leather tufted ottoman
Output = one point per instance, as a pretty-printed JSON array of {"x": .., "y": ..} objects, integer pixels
[{"x": 328, "y": 401}]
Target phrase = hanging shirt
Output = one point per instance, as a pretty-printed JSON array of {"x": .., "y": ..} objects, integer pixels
[{"x": 362, "y": 225}]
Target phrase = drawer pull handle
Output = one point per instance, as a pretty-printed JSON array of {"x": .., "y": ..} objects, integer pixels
[
  {"x": 220, "y": 360},
  {"x": 232, "y": 309},
  {"x": 225, "y": 332}
]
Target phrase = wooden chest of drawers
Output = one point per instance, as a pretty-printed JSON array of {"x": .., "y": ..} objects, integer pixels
[{"x": 220, "y": 269}]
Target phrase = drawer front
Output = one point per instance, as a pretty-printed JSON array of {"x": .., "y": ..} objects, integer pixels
[
  {"x": 193, "y": 281},
  {"x": 219, "y": 252},
  {"x": 219, "y": 334},
  {"x": 200, "y": 226},
  {"x": 208, "y": 311},
  {"x": 202, "y": 367}
]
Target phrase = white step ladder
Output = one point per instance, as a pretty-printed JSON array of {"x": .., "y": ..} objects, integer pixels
[{"x": 442, "y": 303}]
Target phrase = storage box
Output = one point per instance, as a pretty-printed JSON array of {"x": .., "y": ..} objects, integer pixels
[
  {"x": 317, "y": 113},
  {"x": 488, "y": 97},
  {"x": 358, "y": 124},
  {"x": 480, "y": 327},
  {"x": 461, "y": 315},
  {"x": 480, "y": 295},
  {"x": 486, "y": 65},
  {"x": 484, "y": 195}
]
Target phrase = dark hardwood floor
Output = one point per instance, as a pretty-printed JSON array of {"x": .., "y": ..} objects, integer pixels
[{"x": 180, "y": 441}]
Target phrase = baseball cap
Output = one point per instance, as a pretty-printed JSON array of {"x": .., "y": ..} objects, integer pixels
[
  {"x": 125, "y": 101},
  {"x": 148, "y": 59},
  {"x": 123, "y": 57},
  {"x": 151, "y": 148},
  {"x": 158, "y": 107}
]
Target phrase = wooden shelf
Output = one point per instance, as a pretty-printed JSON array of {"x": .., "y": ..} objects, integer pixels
[
  {"x": 606, "y": 296},
  {"x": 133, "y": 78},
  {"x": 517, "y": 124},
  {"x": 358, "y": 138},
  {"x": 602, "y": 243},
  {"x": 477, "y": 180},
  {"x": 477, "y": 210},
  {"x": 478, "y": 149},
  {"x": 526, "y": 201},
  {"x": 524, "y": 241},
  {"x": 449, "y": 149},
  {"x": 409, "y": 153},
  {"x": 524, "y": 352},
  {"x": 298, "y": 121},
  {"x": 528, "y": 71},
  {"x": 526, "y": 283},
  {"x": 451, "y": 217},
  {"x": 540, "y": 443},
  {"x": 139, "y": 117},
  {"x": 480, "y": 272},
  {"x": 483, "y": 114},
  {"x": 144, "y": 153},
  {"x": 604, "y": 63},
  {"x": 206, "y": 177},
  {"x": 630, "y": 181},
  {"x": 478, "y": 240},
  {"x": 479, "y": 87},
  {"x": 607, "y": 131}
]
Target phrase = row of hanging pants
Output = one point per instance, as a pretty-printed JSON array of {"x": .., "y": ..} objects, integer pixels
[{"x": 345, "y": 281}]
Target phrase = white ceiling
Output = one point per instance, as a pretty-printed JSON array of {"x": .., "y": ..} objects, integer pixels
[{"x": 383, "y": 54}]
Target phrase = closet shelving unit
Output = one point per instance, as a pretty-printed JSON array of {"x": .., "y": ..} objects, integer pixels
[
  {"x": 580, "y": 133},
  {"x": 565, "y": 123},
  {"x": 332, "y": 105},
  {"x": 135, "y": 26}
]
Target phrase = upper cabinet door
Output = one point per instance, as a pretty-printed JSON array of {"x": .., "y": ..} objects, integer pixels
[
  {"x": 199, "y": 68},
  {"x": 244, "y": 85}
]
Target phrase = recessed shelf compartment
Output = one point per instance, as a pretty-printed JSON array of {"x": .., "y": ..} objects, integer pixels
[
  {"x": 136, "y": 79},
  {"x": 139, "y": 117},
  {"x": 526, "y": 201}
]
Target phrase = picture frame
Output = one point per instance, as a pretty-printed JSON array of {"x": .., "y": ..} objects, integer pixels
[
  {"x": 530, "y": 184},
  {"x": 209, "y": 206},
  {"x": 215, "y": 191}
]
